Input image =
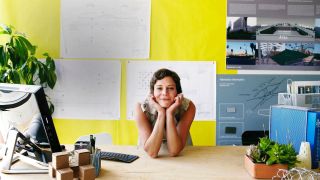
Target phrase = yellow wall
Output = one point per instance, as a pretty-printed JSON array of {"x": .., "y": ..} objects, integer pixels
[{"x": 180, "y": 30}]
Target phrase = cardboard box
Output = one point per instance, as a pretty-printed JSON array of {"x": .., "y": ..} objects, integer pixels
[
  {"x": 82, "y": 157},
  {"x": 87, "y": 172},
  {"x": 60, "y": 160},
  {"x": 65, "y": 174}
]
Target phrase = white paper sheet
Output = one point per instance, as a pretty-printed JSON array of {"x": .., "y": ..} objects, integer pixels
[
  {"x": 198, "y": 79},
  {"x": 87, "y": 89},
  {"x": 105, "y": 28}
]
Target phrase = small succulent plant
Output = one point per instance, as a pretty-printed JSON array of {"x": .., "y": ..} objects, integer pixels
[{"x": 271, "y": 152}]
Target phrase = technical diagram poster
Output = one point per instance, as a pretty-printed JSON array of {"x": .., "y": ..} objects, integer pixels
[
  {"x": 197, "y": 82},
  {"x": 273, "y": 35},
  {"x": 105, "y": 28},
  {"x": 87, "y": 89},
  {"x": 243, "y": 102}
]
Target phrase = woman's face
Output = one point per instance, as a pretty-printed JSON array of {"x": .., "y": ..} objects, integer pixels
[{"x": 165, "y": 91}]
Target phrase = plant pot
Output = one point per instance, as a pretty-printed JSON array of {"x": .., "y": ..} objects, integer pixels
[{"x": 262, "y": 171}]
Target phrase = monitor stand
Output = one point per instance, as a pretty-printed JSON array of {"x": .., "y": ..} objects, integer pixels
[{"x": 11, "y": 156}]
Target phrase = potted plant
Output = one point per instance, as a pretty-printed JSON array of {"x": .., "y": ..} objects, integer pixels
[
  {"x": 265, "y": 159},
  {"x": 19, "y": 65}
]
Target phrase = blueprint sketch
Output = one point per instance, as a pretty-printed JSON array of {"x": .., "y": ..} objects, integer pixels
[
  {"x": 105, "y": 28},
  {"x": 87, "y": 89},
  {"x": 197, "y": 81}
]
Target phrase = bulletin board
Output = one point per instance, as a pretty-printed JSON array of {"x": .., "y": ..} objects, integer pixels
[
  {"x": 198, "y": 79},
  {"x": 87, "y": 89},
  {"x": 105, "y": 28}
]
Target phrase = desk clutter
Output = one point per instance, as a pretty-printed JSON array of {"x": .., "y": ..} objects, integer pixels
[
  {"x": 296, "y": 120},
  {"x": 79, "y": 166},
  {"x": 301, "y": 93},
  {"x": 294, "y": 128},
  {"x": 111, "y": 156},
  {"x": 293, "y": 124}
]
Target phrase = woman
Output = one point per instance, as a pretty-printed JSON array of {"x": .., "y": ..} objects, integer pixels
[{"x": 165, "y": 116}]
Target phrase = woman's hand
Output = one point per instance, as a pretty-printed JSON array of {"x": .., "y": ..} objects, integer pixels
[
  {"x": 155, "y": 105},
  {"x": 177, "y": 102}
]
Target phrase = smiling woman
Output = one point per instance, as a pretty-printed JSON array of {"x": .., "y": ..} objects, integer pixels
[{"x": 165, "y": 116}]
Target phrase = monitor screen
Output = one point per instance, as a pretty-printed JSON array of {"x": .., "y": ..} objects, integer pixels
[{"x": 25, "y": 107}]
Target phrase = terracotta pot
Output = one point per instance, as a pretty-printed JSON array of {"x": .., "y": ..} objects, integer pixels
[{"x": 262, "y": 171}]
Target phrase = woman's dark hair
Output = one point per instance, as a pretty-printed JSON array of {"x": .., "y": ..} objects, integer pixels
[{"x": 162, "y": 73}]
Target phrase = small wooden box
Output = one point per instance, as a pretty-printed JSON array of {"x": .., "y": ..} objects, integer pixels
[
  {"x": 60, "y": 160},
  {"x": 82, "y": 157},
  {"x": 64, "y": 174},
  {"x": 87, "y": 172}
]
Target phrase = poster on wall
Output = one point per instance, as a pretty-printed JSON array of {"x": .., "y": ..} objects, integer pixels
[
  {"x": 243, "y": 102},
  {"x": 273, "y": 35}
]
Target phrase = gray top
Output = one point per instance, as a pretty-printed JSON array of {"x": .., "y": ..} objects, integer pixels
[{"x": 152, "y": 114}]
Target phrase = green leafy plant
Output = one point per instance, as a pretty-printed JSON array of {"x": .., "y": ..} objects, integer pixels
[
  {"x": 271, "y": 152},
  {"x": 19, "y": 65}
]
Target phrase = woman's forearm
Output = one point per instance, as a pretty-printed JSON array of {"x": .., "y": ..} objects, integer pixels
[
  {"x": 173, "y": 139},
  {"x": 153, "y": 143}
]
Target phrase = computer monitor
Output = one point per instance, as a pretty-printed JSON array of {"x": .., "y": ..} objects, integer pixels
[{"x": 25, "y": 107}]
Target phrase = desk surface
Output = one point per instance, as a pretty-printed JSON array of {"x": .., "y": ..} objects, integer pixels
[{"x": 219, "y": 162}]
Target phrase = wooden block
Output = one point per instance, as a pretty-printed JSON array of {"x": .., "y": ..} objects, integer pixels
[
  {"x": 64, "y": 174},
  {"x": 75, "y": 170},
  {"x": 60, "y": 160},
  {"x": 52, "y": 171},
  {"x": 87, "y": 172},
  {"x": 82, "y": 156}
]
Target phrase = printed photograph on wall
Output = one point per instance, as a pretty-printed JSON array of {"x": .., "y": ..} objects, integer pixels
[
  {"x": 244, "y": 101},
  {"x": 316, "y": 53},
  {"x": 283, "y": 54},
  {"x": 241, "y": 53},
  {"x": 293, "y": 30},
  {"x": 241, "y": 28},
  {"x": 317, "y": 29},
  {"x": 273, "y": 35}
]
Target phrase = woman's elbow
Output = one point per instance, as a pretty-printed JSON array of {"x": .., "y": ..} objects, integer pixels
[
  {"x": 174, "y": 153},
  {"x": 152, "y": 154}
]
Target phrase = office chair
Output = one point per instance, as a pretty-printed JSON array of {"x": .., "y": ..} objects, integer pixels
[
  {"x": 101, "y": 138},
  {"x": 252, "y": 137}
]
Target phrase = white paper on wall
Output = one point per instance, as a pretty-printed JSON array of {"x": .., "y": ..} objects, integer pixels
[
  {"x": 198, "y": 79},
  {"x": 87, "y": 89},
  {"x": 105, "y": 28}
]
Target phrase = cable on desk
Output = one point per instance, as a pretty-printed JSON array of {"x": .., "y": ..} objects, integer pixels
[{"x": 296, "y": 174}]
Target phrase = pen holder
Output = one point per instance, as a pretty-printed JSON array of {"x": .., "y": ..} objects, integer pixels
[
  {"x": 82, "y": 145},
  {"x": 96, "y": 161}
]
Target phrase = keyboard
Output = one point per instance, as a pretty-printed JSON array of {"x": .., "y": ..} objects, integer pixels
[{"x": 113, "y": 156}]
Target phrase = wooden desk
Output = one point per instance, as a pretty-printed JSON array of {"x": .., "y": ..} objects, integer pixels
[{"x": 219, "y": 162}]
